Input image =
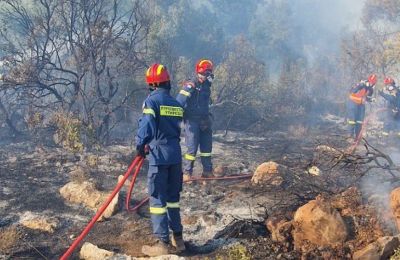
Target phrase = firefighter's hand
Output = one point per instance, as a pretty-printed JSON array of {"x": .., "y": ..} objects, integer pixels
[{"x": 142, "y": 150}]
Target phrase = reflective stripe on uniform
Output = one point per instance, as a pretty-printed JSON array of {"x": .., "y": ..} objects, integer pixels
[
  {"x": 158, "y": 211},
  {"x": 205, "y": 154},
  {"x": 173, "y": 205},
  {"x": 149, "y": 111},
  {"x": 355, "y": 99},
  {"x": 190, "y": 157},
  {"x": 184, "y": 92},
  {"x": 360, "y": 122},
  {"x": 171, "y": 111},
  {"x": 351, "y": 122}
]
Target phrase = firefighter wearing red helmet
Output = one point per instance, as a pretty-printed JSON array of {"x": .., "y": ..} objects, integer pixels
[
  {"x": 392, "y": 96},
  {"x": 195, "y": 99},
  {"x": 359, "y": 94},
  {"x": 158, "y": 136}
]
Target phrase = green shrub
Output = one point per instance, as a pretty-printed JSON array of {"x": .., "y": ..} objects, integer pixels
[{"x": 68, "y": 132}]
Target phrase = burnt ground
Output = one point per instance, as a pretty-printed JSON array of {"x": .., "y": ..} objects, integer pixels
[{"x": 223, "y": 219}]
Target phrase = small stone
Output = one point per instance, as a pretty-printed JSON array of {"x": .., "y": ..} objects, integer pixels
[{"x": 314, "y": 170}]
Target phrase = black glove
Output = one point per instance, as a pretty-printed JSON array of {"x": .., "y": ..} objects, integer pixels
[{"x": 142, "y": 150}]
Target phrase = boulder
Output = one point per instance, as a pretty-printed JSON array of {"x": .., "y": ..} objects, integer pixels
[
  {"x": 395, "y": 205},
  {"x": 383, "y": 248},
  {"x": 38, "y": 222},
  {"x": 319, "y": 223},
  {"x": 269, "y": 173},
  {"x": 92, "y": 252},
  {"x": 86, "y": 193}
]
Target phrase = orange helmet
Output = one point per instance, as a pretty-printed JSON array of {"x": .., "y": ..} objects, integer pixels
[
  {"x": 204, "y": 65},
  {"x": 372, "y": 79},
  {"x": 156, "y": 74},
  {"x": 388, "y": 81}
]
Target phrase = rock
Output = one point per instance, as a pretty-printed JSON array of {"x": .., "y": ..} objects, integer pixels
[
  {"x": 314, "y": 170},
  {"x": 35, "y": 221},
  {"x": 280, "y": 228},
  {"x": 220, "y": 171},
  {"x": 86, "y": 193},
  {"x": 383, "y": 248},
  {"x": 269, "y": 173},
  {"x": 395, "y": 205},
  {"x": 92, "y": 252},
  {"x": 318, "y": 222}
]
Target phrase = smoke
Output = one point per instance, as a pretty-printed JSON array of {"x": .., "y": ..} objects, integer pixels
[
  {"x": 321, "y": 25},
  {"x": 376, "y": 189}
]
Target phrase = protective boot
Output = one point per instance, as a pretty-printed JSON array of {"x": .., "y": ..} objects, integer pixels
[
  {"x": 186, "y": 177},
  {"x": 159, "y": 248},
  {"x": 177, "y": 242},
  {"x": 207, "y": 174}
]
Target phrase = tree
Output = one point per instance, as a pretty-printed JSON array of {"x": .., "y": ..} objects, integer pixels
[
  {"x": 240, "y": 77},
  {"x": 80, "y": 56}
]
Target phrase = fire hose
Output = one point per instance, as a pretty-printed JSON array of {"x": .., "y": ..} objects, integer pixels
[
  {"x": 352, "y": 147},
  {"x": 137, "y": 162}
]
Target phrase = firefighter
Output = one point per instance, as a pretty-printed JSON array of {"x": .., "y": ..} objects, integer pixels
[
  {"x": 195, "y": 99},
  {"x": 359, "y": 94},
  {"x": 393, "y": 98},
  {"x": 159, "y": 136}
]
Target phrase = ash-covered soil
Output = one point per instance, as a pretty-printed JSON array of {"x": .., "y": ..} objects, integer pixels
[{"x": 222, "y": 219}]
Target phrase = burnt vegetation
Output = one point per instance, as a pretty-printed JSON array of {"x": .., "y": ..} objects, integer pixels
[{"x": 71, "y": 92}]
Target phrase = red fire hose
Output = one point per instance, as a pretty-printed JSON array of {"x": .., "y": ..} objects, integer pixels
[
  {"x": 351, "y": 149},
  {"x": 138, "y": 161}
]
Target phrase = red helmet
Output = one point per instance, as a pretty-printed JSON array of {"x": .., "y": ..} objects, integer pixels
[
  {"x": 388, "y": 81},
  {"x": 203, "y": 66},
  {"x": 156, "y": 74},
  {"x": 372, "y": 79}
]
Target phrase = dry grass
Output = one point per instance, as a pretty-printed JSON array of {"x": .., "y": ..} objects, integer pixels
[{"x": 9, "y": 237}]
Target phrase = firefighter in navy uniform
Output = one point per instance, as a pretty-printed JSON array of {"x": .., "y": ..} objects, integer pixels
[
  {"x": 159, "y": 136},
  {"x": 195, "y": 99},
  {"x": 359, "y": 94},
  {"x": 392, "y": 122}
]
